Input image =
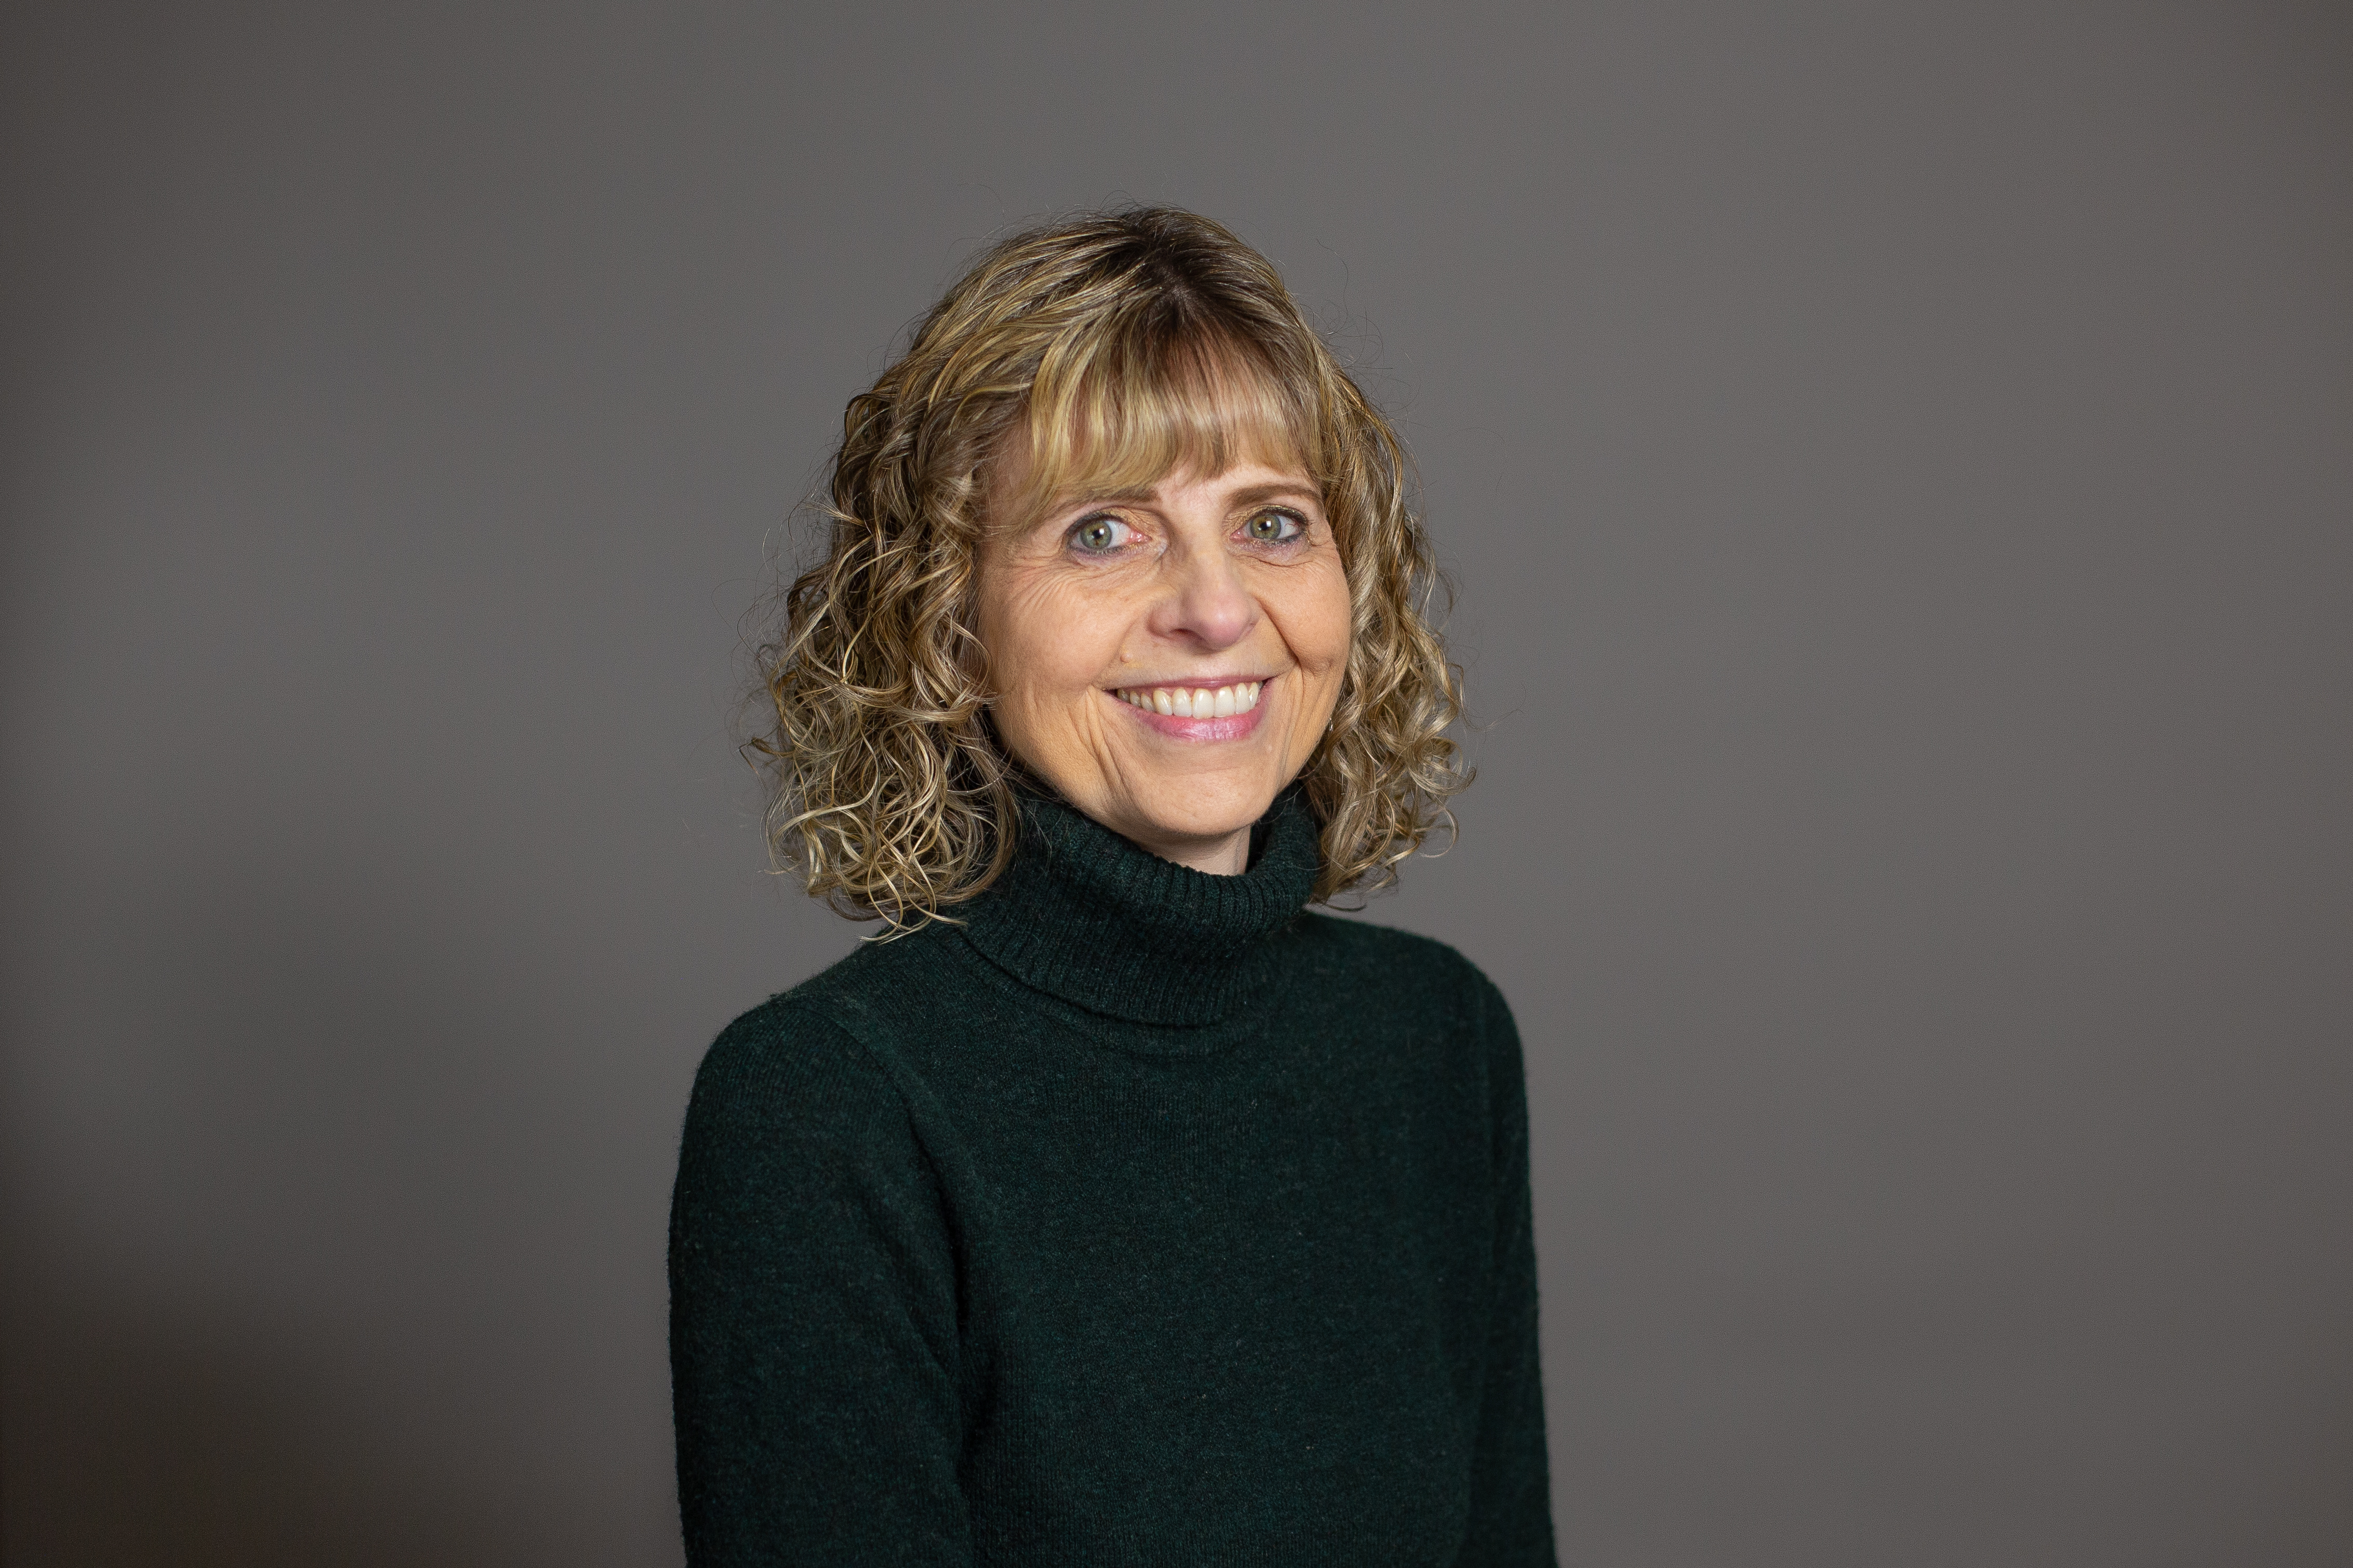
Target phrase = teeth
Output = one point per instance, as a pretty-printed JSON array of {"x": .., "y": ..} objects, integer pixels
[{"x": 1194, "y": 701}]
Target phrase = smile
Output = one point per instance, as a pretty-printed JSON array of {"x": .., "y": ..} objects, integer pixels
[
  {"x": 1228, "y": 711},
  {"x": 1193, "y": 701}
]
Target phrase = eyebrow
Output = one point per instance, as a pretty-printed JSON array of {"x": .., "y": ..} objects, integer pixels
[{"x": 1275, "y": 491}]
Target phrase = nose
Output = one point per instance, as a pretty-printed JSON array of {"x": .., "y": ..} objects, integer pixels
[{"x": 1207, "y": 604}]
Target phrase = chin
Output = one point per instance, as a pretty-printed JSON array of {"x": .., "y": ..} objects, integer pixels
[{"x": 1199, "y": 815}]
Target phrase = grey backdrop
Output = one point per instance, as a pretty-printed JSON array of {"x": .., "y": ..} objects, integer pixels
[{"x": 1897, "y": 461}]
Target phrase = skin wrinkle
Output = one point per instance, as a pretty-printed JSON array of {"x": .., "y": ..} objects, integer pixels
[
  {"x": 1118, "y": 349},
  {"x": 1182, "y": 602}
]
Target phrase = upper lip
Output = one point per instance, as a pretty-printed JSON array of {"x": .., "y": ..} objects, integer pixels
[{"x": 1191, "y": 682}]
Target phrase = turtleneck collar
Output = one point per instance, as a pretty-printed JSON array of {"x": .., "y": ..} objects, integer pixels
[{"x": 1085, "y": 915}]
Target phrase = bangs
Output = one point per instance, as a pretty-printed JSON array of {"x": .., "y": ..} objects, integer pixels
[{"x": 1116, "y": 415}]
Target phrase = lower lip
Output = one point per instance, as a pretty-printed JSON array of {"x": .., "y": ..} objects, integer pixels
[{"x": 1175, "y": 728}]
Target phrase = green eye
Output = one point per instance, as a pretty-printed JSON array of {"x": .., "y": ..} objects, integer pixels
[
  {"x": 1098, "y": 535},
  {"x": 1271, "y": 528}
]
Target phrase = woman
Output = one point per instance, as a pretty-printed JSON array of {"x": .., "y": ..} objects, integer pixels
[{"x": 1114, "y": 1209}]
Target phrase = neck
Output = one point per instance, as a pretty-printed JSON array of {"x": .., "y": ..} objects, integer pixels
[
  {"x": 1123, "y": 928},
  {"x": 1226, "y": 856}
]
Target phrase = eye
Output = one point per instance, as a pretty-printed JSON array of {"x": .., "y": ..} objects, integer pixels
[
  {"x": 1100, "y": 534},
  {"x": 1274, "y": 526}
]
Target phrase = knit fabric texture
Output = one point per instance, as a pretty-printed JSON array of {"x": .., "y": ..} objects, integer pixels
[{"x": 1143, "y": 1218}]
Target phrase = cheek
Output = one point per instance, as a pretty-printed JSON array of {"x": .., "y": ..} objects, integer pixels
[
  {"x": 1044, "y": 641},
  {"x": 1316, "y": 622}
]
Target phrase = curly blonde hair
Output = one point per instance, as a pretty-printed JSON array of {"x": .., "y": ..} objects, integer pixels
[{"x": 1124, "y": 346}]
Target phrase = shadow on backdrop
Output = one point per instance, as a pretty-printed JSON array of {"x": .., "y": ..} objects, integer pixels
[{"x": 167, "y": 1440}]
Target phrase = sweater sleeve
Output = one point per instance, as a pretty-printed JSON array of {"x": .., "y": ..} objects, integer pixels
[
  {"x": 1511, "y": 1502},
  {"x": 813, "y": 1312}
]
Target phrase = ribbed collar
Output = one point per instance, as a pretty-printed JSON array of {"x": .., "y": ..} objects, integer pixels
[{"x": 1085, "y": 915}]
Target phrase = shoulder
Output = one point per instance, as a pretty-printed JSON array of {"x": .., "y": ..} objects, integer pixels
[
  {"x": 785, "y": 1073},
  {"x": 1405, "y": 966},
  {"x": 1426, "y": 985},
  {"x": 798, "y": 1137},
  {"x": 813, "y": 1054},
  {"x": 812, "y": 1031},
  {"x": 784, "y": 1043}
]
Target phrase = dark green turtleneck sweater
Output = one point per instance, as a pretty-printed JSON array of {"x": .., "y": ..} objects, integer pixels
[{"x": 1143, "y": 1218}]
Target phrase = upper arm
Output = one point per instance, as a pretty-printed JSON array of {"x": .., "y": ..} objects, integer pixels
[
  {"x": 1511, "y": 1510},
  {"x": 813, "y": 1310}
]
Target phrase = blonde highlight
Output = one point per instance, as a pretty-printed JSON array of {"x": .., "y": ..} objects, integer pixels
[{"x": 1116, "y": 349}]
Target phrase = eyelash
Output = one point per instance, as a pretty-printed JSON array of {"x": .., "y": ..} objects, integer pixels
[
  {"x": 1297, "y": 527},
  {"x": 1298, "y": 524},
  {"x": 1084, "y": 523}
]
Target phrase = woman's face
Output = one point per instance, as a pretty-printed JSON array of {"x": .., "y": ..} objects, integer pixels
[{"x": 1167, "y": 660}]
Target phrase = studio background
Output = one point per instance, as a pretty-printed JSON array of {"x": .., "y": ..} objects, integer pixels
[{"x": 1895, "y": 461}]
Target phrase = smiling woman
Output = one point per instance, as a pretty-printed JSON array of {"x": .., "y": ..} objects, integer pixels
[
  {"x": 1168, "y": 662},
  {"x": 1116, "y": 1209}
]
